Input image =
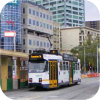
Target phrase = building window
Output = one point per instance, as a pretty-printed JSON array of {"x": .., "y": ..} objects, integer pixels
[
  {"x": 30, "y": 42},
  {"x": 29, "y": 21},
  {"x": 47, "y": 26},
  {"x": 37, "y": 23},
  {"x": 23, "y": 20},
  {"x": 23, "y": 41},
  {"x": 37, "y": 13},
  {"x": 41, "y": 15},
  {"x": 33, "y": 22},
  {"x": 44, "y": 25},
  {"x": 50, "y": 18},
  {"x": 47, "y": 16},
  {"x": 23, "y": 51},
  {"x": 37, "y": 43},
  {"x": 47, "y": 44},
  {"x": 44, "y": 44},
  {"x": 29, "y": 11},
  {"x": 40, "y": 24},
  {"x": 33, "y": 12},
  {"x": 23, "y": 10},
  {"x": 33, "y": 42},
  {"x": 80, "y": 43},
  {"x": 41, "y": 44},
  {"x": 51, "y": 27},
  {"x": 80, "y": 38}
]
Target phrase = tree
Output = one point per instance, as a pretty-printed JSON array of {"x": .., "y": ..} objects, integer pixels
[{"x": 90, "y": 46}]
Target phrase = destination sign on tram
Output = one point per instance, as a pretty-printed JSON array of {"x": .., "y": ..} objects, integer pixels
[{"x": 35, "y": 56}]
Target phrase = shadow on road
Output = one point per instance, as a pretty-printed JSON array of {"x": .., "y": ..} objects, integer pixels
[{"x": 39, "y": 89}]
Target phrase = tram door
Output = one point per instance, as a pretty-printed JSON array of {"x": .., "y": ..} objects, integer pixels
[
  {"x": 53, "y": 74},
  {"x": 70, "y": 73}
]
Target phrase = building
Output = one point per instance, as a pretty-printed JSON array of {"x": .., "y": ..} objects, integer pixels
[
  {"x": 93, "y": 24},
  {"x": 66, "y": 12},
  {"x": 56, "y": 36},
  {"x": 37, "y": 26},
  {"x": 11, "y": 21},
  {"x": 76, "y": 36}
]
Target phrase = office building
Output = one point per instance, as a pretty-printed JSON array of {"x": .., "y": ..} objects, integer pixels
[
  {"x": 76, "y": 36},
  {"x": 67, "y": 12},
  {"x": 93, "y": 24},
  {"x": 11, "y": 21},
  {"x": 37, "y": 26}
]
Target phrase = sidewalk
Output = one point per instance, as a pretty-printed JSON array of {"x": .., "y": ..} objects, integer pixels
[{"x": 21, "y": 89}]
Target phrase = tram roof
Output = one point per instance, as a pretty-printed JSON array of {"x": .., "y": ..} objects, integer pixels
[
  {"x": 52, "y": 56},
  {"x": 40, "y": 56}
]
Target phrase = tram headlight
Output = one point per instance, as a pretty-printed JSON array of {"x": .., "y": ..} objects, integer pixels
[{"x": 40, "y": 79}]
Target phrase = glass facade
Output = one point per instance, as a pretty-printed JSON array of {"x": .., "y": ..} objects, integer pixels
[
  {"x": 66, "y": 12},
  {"x": 11, "y": 21}
]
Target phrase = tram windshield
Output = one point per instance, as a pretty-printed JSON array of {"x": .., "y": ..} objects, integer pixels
[{"x": 38, "y": 67}]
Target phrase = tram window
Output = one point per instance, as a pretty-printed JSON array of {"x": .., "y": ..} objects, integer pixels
[
  {"x": 75, "y": 66},
  {"x": 64, "y": 66},
  {"x": 78, "y": 66},
  {"x": 46, "y": 66},
  {"x": 38, "y": 67},
  {"x": 61, "y": 66}
]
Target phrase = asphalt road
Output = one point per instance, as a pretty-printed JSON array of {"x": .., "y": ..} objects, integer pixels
[{"x": 84, "y": 90}]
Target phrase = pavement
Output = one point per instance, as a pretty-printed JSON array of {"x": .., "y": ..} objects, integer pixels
[{"x": 82, "y": 91}]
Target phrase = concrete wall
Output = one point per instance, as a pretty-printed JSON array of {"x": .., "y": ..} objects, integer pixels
[{"x": 70, "y": 38}]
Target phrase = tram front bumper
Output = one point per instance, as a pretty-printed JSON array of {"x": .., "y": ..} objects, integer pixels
[{"x": 38, "y": 85}]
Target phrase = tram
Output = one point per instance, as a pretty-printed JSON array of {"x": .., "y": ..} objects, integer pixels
[{"x": 52, "y": 70}]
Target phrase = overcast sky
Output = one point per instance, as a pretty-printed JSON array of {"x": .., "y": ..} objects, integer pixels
[{"x": 91, "y": 11}]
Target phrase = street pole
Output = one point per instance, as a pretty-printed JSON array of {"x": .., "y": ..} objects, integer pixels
[
  {"x": 97, "y": 59},
  {"x": 84, "y": 62},
  {"x": 14, "y": 57}
]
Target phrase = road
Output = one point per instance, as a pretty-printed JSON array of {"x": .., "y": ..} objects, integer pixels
[{"x": 84, "y": 90}]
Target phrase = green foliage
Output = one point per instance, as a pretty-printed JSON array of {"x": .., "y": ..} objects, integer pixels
[{"x": 90, "y": 46}]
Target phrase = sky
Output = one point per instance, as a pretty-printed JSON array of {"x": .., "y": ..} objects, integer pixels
[{"x": 91, "y": 11}]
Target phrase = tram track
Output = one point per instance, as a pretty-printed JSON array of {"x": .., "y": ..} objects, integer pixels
[
  {"x": 81, "y": 93},
  {"x": 73, "y": 90},
  {"x": 57, "y": 94}
]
